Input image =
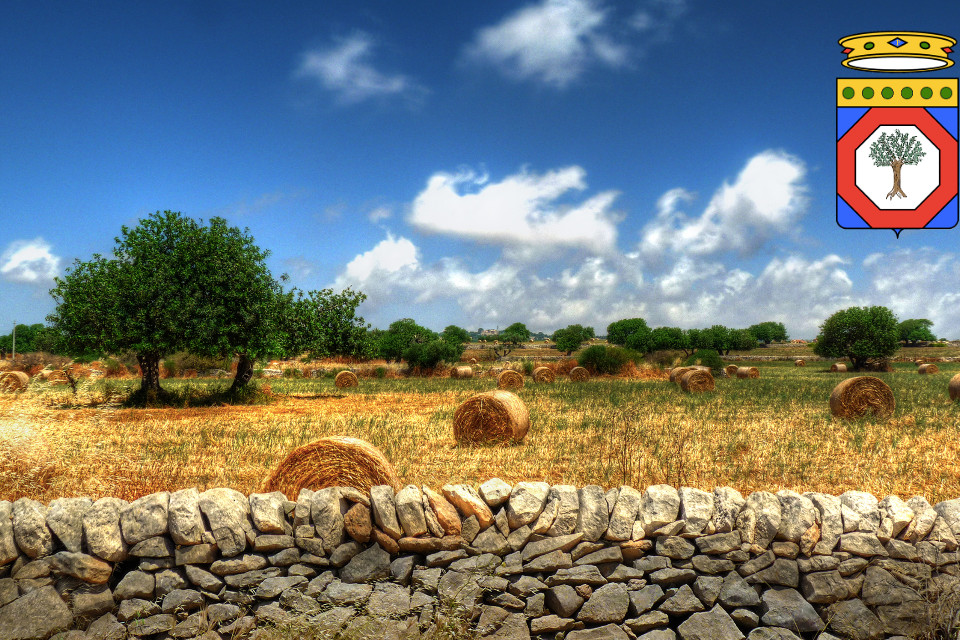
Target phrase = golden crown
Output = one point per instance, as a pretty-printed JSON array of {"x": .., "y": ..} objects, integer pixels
[{"x": 897, "y": 51}]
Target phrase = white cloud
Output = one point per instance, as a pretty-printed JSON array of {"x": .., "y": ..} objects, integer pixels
[
  {"x": 656, "y": 17},
  {"x": 918, "y": 283},
  {"x": 766, "y": 200},
  {"x": 552, "y": 42},
  {"x": 30, "y": 262},
  {"x": 522, "y": 209},
  {"x": 389, "y": 256},
  {"x": 378, "y": 214},
  {"x": 346, "y": 70}
]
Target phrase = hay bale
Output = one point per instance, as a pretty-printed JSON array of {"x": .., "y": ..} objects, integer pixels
[
  {"x": 799, "y": 362},
  {"x": 954, "y": 387},
  {"x": 838, "y": 367},
  {"x": 473, "y": 361},
  {"x": 677, "y": 372},
  {"x": 731, "y": 370},
  {"x": 543, "y": 374},
  {"x": 491, "y": 417},
  {"x": 927, "y": 369},
  {"x": 854, "y": 397},
  {"x": 346, "y": 379},
  {"x": 510, "y": 379},
  {"x": 13, "y": 381},
  {"x": 696, "y": 381},
  {"x": 333, "y": 461},
  {"x": 748, "y": 372},
  {"x": 579, "y": 374},
  {"x": 462, "y": 372}
]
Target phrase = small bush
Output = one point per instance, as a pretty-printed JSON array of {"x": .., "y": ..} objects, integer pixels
[
  {"x": 113, "y": 368},
  {"x": 527, "y": 368},
  {"x": 380, "y": 372},
  {"x": 603, "y": 359},
  {"x": 291, "y": 372},
  {"x": 706, "y": 358},
  {"x": 662, "y": 359}
]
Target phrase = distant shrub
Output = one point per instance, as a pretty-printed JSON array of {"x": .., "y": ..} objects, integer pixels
[
  {"x": 292, "y": 372},
  {"x": 706, "y": 358},
  {"x": 662, "y": 359},
  {"x": 527, "y": 368},
  {"x": 380, "y": 372},
  {"x": 603, "y": 359}
]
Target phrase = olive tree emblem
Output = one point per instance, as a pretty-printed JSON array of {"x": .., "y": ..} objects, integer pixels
[{"x": 895, "y": 151}]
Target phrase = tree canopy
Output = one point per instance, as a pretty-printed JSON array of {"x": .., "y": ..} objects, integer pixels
[
  {"x": 629, "y": 329},
  {"x": 569, "y": 339},
  {"x": 916, "y": 330},
  {"x": 399, "y": 336},
  {"x": 454, "y": 334},
  {"x": 767, "y": 332},
  {"x": 862, "y": 334}
]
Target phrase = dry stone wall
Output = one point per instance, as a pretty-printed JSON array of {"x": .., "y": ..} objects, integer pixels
[{"x": 524, "y": 561}]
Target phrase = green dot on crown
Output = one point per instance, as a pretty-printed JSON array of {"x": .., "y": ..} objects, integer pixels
[
  {"x": 848, "y": 92},
  {"x": 906, "y": 92},
  {"x": 867, "y": 92},
  {"x": 887, "y": 92},
  {"x": 926, "y": 93}
]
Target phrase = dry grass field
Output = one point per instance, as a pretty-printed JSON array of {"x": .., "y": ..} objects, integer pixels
[{"x": 771, "y": 433}]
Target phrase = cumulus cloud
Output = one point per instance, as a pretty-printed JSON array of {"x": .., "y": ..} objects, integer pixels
[
  {"x": 345, "y": 69},
  {"x": 552, "y": 42},
  {"x": 657, "y": 17},
  {"x": 766, "y": 199},
  {"x": 389, "y": 256},
  {"x": 29, "y": 262},
  {"x": 523, "y": 209},
  {"x": 918, "y": 283},
  {"x": 379, "y": 213}
]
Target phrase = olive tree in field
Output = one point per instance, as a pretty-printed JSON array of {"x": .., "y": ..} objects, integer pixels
[
  {"x": 894, "y": 151},
  {"x": 861, "y": 334},
  {"x": 569, "y": 340}
]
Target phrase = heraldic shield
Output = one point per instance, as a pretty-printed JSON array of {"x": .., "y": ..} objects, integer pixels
[{"x": 897, "y": 152}]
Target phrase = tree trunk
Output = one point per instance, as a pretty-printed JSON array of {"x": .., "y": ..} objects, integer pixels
[
  {"x": 896, "y": 190},
  {"x": 244, "y": 373},
  {"x": 149, "y": 372}
]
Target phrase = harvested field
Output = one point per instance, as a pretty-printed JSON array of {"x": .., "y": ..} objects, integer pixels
[{"x": 775, "y": 433}]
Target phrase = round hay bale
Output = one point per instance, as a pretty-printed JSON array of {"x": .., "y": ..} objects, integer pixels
[
  {"x": 748, "y": 372},
  {"x": 13, "y": 381},
  {"x": 677, "y": 372},
  {"x": 510, "y": 379},
  {"x": 926, "y": 369},
  {"x": 473, "y": 361},
  {"x": 854, "y": 397},
  {"x": 696, "y": 381},
  {"x": 799, "y": 362},
  {"x": 346, "y": 379},
  {"x": 491, "y": 417},
  {"x": 954, "y": 387},
  {"x": 579, "y": 374},
  {"x": 333, "y": 461},
  {"x": 462, "y": 372},
  {"x": 731, "y": 370},
  {"x": 838, "y": 367},
  {"x": 543, "y": 374}
]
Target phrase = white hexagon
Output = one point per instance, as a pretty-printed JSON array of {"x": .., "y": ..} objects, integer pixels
[{"x": 917, "y": 180}]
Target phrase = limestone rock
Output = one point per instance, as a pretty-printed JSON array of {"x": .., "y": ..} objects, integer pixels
[
  {"x": 226, "y": 511},
  {"x": 468, "y": 501},
  {"x": 659, "y": 506},
  {"x": 715, "y": 624},
  {"x": 624, "y": 514},
  {"x": 759, "y": 519},
  {"x": 797, "y": 515},
  {"x": 357, "y": 523},
  {"x": 367, "y": 566},
  {"x": 696, "y": 509},
  {"x": 823, "y": 587},
  {"x": 593, "y": 518},
  {"x": 862, "y": 512},
  {"x": 830, "y": 521},
  {"x": 266, "y": 510},
  {"x": 145, "y": 517},
  {"x": 898, "y": 512},
  {"x": 548, "y": 516},
  {"x": 495, "y": 492},
  {"x": 727, "y": 503},
  {"x": 81, "y": 566},
  {"x": 852, "y": 619},
  {"x": 36, "y": 614},
  {"x": 384, "y": 508},
  {"x": 8, "y": 546},
  {"x": 949, "y": 510},
  {"x": 446, "y": 513},
  {"x": 566, "y": 519},
  {"x": 30, "y": 530},
  {"x": 183, "y": 517},
  {"x": 526, "y": 503},
  {"x": 785, "y": 607},
  {"x": 409, "y": 502},
  {"x": 607, "y": 604},
  {"x": 65, "y": 519}
]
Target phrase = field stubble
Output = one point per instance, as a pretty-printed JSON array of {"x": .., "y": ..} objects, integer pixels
[{"x": 771, "y": 433}]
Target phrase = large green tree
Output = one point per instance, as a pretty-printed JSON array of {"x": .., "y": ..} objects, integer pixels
[
  {"x": 511, "y": 338},
  {"x": 670, "y": 339},
  {"x": 569, "y": 339},
  {"x": 767, "y": 332},
  {"x": 324, "y": 324},
  {"x": 916, "y": 330},
  {"x": 399, "y": 336},
  {"x": 861, "y": 334},
  {"x": 623, "y": 332},
  {"x": 455, "y": 334},
  {"x": 146, "y": 299}
]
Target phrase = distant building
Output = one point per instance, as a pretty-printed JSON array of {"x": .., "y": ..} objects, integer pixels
[{"x": 489, "y": 332}]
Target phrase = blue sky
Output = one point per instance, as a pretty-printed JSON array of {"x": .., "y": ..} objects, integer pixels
[{"x": 477, "y": 163}]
